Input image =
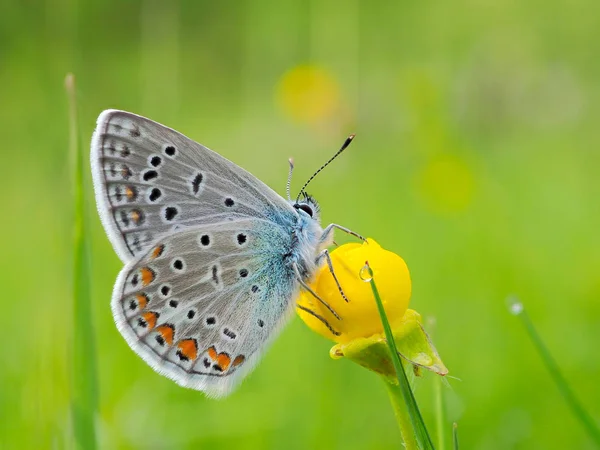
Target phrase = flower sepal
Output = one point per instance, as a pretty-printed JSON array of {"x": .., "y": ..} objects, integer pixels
[{"x": 412, "y": 342}]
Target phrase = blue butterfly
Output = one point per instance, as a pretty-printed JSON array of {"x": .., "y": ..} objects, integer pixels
[{"x": 214, "y": 259}]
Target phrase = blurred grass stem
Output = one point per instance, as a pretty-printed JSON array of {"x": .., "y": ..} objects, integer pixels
[
  {"x": 440, "y": 413},
  {"x": 455, "y": 436},
  {"x": 577, "y": 408},
  {"x": 84, "y": 384}
]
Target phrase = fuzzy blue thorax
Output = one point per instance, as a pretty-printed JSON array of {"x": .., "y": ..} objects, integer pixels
[{"x": 307, "y": 241}]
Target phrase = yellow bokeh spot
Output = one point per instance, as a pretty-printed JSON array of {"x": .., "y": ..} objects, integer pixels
[
  {"x": 446, "y": 184},
  {"x": 359, "y": 316},
  {"x": 308, "y": 94}
]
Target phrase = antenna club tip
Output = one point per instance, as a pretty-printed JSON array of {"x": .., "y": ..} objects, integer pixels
[
  {"x": 352, "y": 136},
  {"x": 291, "y": 161}
]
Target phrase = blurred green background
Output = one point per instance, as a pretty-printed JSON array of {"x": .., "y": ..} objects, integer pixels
[{"x": 476, "y": 159}]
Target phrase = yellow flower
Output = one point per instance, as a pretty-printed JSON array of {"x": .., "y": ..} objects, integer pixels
[
  {"x": 356, "y": 325},
  {"x": 308, "y": 94},
  {"x": 358, "y": 318}
]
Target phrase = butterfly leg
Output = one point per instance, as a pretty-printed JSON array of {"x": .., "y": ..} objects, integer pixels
[
  {"x": 325, "y": 254},
  {"x": 320, "y": 318},
  {"x": 329, "y": 229},
  {"x": 313, "y": 293}
]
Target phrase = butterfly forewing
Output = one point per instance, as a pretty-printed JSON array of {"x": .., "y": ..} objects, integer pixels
[
  {"x": 151, "y": 181},
  {"x": 200, "y": 305}
]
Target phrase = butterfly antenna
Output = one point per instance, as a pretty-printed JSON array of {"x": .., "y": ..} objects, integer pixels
[
  {"x": 289, "y": 180},
  {"x": 347, "y": 142}
]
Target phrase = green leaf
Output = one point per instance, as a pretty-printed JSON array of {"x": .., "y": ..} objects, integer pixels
[{"x": 412, "y": 343}]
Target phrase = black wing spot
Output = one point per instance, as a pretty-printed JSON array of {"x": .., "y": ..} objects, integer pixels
[
  {"x": 229, "y": 202},
  {"x": 170, "y": 150},
  {"x": 173, "y": 303},
  {"x": 124, "y": 218},
  {"x": 241, "y": 238},
  {"x": 196, "y": 183},
  {"x": 206, "y": 363},
  {"x": 191, "y": 313},
  {"x": 230, "y": 334},
  {"x": 255, "y": 289},
  {"x": 135, "y": 131},
  {"x": 217, "y": 367},
  {"x": 136, "y": 242},
  {"x": 155, "y": 194},
  {"x": 118, "y": 193},
  {"x": 211, "y": 320},
  {"x": 135, "y": 279},
  {"x": 155, "y": 161},
  {"x": 261, "y": 323},
  {"x": 142, "y": 323},
  {"x": 171, "y": 212},
  {"x": 205, "y": 240},
  {"x": 244, "y": 273},
  {"x": 150, "y": 175},
  {"x": 160, "y": 340},
  {"x": 125, "y": 152},
  {"x": 178, "y": 264},
  {"x": 164, "y": 290},
  {"x": 133, "y": 305},
  {"x": 215, "y": 274}
]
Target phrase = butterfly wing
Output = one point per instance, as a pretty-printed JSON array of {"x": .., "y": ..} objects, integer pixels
[
  {"x": 202, "y": 304},
  {"x": 151, "y": 180}
]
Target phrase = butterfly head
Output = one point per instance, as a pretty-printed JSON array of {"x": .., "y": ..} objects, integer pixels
[{"x": 307, "y": 207}]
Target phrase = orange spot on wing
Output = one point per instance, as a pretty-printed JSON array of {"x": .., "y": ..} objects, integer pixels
[
  {"x": 167, "y": 332},
  {"x": 238, "y": 360},
  {"x": 147, "y": 275},
  {"x": 136, "y": 216},
  {"x": 142, "y": 300},
  {"x": 223, "y": 360},
  {"x": 188, "y": 348},
  {"x": 212, "y": 353},
  {"x": 130, "y": 193},
  {"x": 150, "y": 318},
  {"x": 157, "y": 251}
]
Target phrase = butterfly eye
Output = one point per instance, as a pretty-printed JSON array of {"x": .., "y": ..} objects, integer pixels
[{"x": 307, "y": 209}]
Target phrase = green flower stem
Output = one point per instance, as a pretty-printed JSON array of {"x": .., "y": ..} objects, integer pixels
[
  {"x": 402, "y": 416},
  {"x": 83, "y": 377},
  {"x": 416, "y": 420}
]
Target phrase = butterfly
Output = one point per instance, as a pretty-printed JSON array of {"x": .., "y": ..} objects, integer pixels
[{"x": 214, "y": 258}]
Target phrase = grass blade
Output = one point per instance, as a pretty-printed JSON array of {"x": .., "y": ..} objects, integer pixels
[
  {"x": 455, "y": 436},
  {"x": 418, "y": 425},
  {"x": 84, "y": 383},
  {"x": 580, "y": 413}
]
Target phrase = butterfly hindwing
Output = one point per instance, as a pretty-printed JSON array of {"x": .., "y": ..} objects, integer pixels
[
  {"x": 200, "y": 305},
  {"x": 151, "y": 180}
]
